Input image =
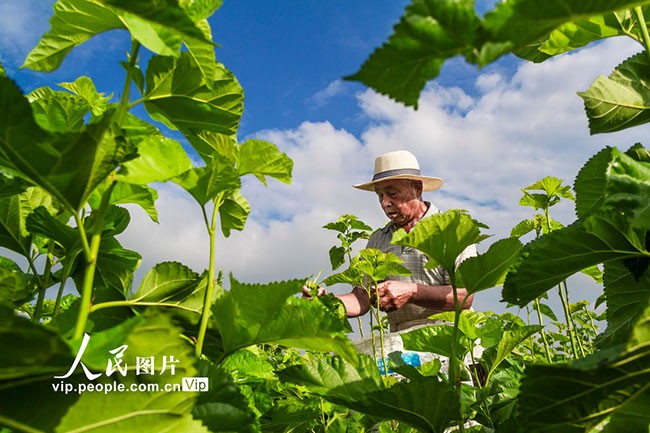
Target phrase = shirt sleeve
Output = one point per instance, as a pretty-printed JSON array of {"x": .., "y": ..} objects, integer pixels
[{"x": 470, "y": 251}]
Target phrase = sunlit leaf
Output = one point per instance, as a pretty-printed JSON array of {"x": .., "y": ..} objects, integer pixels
[
  {"x": 73, "y": 23},
  {"x": 489, "y": 269},
  {"x": 159, "y": 159},
  {"x": 58, "y": 111},
  {"x": 174, "y": 286},
  {"x": 128, "y": 193},
  {"x": 621, "y": 100},
  {"x": 250, "y": 314},
  {"x": 552, "y": 258},
  {"x": 178, "y": 95},
  {"x": 234, "y": 212},
  {"x": 509, "y": 341},
  {"x": 205, "y": 183},
  {"x": 442, "y": 237},
  {"x": 426, "y": 403},
  {"x": 262, "y": 158}
]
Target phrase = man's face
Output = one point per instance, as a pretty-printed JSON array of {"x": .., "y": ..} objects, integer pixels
[{"x": 399, "y": 199}]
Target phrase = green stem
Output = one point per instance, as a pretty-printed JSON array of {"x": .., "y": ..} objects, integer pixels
[
  {"x": 541, "y": 323},
  {"x": 67, "y": 268},
  {"x": 644, "y": 29},
  {"x": 126, "y": 90},
  {"x": 44, "y": 282},
  {"x": 567, "y": 319},
  {"x": 381, "y": 334},
  {"x": 209, "y": 290},
  {"x": 454, "y": 365},
  {"x": 91, "y": 260}
]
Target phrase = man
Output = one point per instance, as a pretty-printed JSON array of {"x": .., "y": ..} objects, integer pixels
[{"x": 408, "y": 300}]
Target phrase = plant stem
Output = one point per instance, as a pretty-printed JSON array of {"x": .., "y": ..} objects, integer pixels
[
  {"x": 67, "y": 267},
  {"x": 91, "y": 260},
  {"x": 381, "y": 334},
  {"x": 126, "y": 90},
  {"x": 44, "y": 283},
  {"x": 209, "y": 290},
  {"x": 567, "y": 318},
  {"x": 644, "y": 29},
  {"x": 541, "y": 323},
  {"x": 454, "y": 365}
]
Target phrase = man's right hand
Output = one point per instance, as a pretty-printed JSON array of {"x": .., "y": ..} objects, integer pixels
[{"x": 306, "y": 292}]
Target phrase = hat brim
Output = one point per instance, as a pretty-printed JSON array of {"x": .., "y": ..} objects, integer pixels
[{"x": 428, "y": 183}]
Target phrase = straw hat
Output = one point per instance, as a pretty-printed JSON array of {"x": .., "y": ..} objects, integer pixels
[{"x": 400, "y": 164}]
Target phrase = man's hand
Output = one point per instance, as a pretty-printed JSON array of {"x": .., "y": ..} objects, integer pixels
[
  {"x": 306, "y": 292},
  {"x": 394, "y": 294}
]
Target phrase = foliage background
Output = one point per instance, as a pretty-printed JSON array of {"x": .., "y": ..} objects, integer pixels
[{"x": 473, "y": 128}]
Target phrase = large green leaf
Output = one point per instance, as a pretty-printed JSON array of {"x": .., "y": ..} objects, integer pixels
[
  {"x": 68, "y": 166},
  {"x": 223, "y": 408},
  {"x": 627, "y": 298},
  {"x": 510, "y": 340},
  {"x": 168, "y": 13},
  {"x": 14, "y": 290},
  {"x": 84, "y": 88},
  {"x": 261, "y": 159},
  {"x": 429, "y": 33},
  {"x": 128, "y": 193},
  {"x": 489, "y": 269},
  {"x": 433, "y": 339},
  {"x": 73, "y": 23},
  {"x": 621, "y": 100},
  {"x": 159, "y": 159},
  {"x": 442, "y": 237},
  {"x": 178, "y": 95},
  {"x": 58, "y": 111},
  {"x": 173, "y": 285},
  {"x": 254, "y": 314},
  {"x": 206, "y": 183},
  {"x": 586, "y": 392},
  {"x": 233, "y": 213},
  {"x": 591, "y": 183},
  {"x": 552, "y": 258},
  {"x": 426, "y": 403},
  {"x": 574, "y": 35},
  {"x": 629, "y": 189}
]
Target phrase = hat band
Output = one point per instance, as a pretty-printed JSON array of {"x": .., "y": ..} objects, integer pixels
[{"x": 396, "y": 172}]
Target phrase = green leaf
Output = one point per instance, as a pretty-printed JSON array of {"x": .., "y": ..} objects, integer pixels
[
  {"x": 552, "y": 187},
  {"x": 627, "y": 299},
  {"x": 337, "y": 256},
  {"x": 621, "y": 100},
  {"x": 128, "y": 193},
  {"x": 552, "y": 258},
  {"x": 547, "y": 311},
  {"x": 434, "y": 339},
  {"x": 58, "y": 111},
  {"x": 73, "y": 23},
  {"x": 254, "y": 314},
  {"x": 629, "y": 189},
  {"x": 234, "y": 212},
  {"x": 523, "y": 228},
  {"x": 68, "y": 166},
  {"x": 13, "y": 234},
  {"x": 442, "y": 237},
  {"x": 489, "y": 270},
  {"x": 35, "y": 350},
  {"x": 159, "y": 159},
  {"x": 223, "y": 408},
  {"x": 426, "y": 403},
  {"x": 261, "y": 159},
  {"x": 155, "y": 336},
  {"x": 167, "y": 13},
  {"x": 577, "y": 34},
  {"x": 206, "y": 183},
  {"x": 429, "y": 33},
  {"x": 591, "y": 183},
  {"x": 85, "y": 88},
  {"x": 584, "y": 393},
  {"x": 158, "y": 39},
  {"x": 173, "y": 285},
  {"x": 207, "y": 143},
  {"x": 510, "y": 339},
  {"x": 178, "y": 95}
]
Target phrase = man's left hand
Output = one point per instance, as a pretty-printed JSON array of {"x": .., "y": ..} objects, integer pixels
[{"x": 394, "y": 294}]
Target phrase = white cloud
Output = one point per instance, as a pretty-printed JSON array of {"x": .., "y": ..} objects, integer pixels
[
  {"x": 487, "y": 147},
  {"x": 321, "y": 98}
]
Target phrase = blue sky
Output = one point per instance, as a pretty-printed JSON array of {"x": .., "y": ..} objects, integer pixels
[{"x": 487, "y": 132}]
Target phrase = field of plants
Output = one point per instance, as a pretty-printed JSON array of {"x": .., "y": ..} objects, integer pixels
[{"x": 264, "y": 359}]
